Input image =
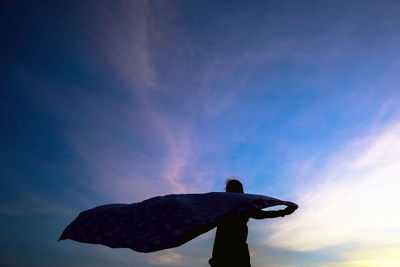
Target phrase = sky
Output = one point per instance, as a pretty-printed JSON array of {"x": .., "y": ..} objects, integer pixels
[{"x": 119, "y": 101}]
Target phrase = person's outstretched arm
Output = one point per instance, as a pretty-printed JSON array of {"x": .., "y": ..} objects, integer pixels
[{"x": 263, "y": 214}]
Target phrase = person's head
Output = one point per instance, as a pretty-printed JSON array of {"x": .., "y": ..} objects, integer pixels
[{"x": 234, "y": 185}]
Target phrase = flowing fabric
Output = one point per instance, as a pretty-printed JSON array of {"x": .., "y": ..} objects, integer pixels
[{"x": 161, "y": 222}]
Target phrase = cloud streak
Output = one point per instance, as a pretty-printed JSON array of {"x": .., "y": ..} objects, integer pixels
[
  {"x": 121, "y": 34},
  {"x": 33, "y": 204},
  {"x": 352, "y": 204},
  {"x": 165, "y": 257}
]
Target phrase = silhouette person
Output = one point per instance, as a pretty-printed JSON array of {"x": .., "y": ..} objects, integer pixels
[{"x": 230, "y": 247}]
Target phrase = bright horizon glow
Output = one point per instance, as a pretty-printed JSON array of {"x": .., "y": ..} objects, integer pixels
[{"x": 353, "y": 203}]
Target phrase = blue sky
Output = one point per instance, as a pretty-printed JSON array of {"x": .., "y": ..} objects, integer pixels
[{"x": 117, "y": 102}]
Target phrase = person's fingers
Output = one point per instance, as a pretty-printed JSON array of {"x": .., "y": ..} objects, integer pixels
[
  {"x": 290, "y": 209},
  {"x": 290, "y": 204}
]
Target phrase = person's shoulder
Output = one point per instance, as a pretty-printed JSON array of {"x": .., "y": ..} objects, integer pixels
[{"x": 245, "y": 217}]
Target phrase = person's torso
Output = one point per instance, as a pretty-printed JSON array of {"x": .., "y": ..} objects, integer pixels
[{"x": 231, "y": 236}]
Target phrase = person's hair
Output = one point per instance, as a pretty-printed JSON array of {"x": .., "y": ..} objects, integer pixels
[{"x": 233, "y": 185}]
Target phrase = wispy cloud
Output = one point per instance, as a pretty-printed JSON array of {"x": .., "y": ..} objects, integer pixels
[
  {"x": 225, "y": 78},
  {"x": 176, "y": 134},
  {"x": 121, "y": 34},
  {"x": 165, "y": 257},
  {"x": 33, "y": 204},
  {"x": 352, "y": 204}
]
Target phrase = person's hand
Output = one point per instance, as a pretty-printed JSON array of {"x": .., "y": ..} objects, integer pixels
[{"x": 291, "y": 207}]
